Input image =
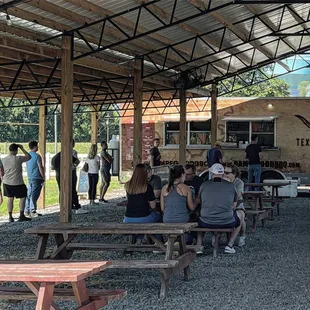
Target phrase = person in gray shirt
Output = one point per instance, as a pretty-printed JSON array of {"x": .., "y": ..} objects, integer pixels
[
  {"x": 232, "y": 174},
  {"x": 218, "y": 199}
]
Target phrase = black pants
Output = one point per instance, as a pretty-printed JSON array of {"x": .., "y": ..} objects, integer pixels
[
  {"x": 92, "y": 183},
  {"x": 75, "y": 198}
]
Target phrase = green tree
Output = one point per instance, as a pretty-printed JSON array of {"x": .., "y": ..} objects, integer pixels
[
  {"x": 304, "y": 88},
  {"x": 238, "y": 87}
]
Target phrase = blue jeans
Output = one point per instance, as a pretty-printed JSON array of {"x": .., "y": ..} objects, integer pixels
[
  {"x": 254, "y": 170},
  {"x": 154, "y": 217},
  {"x": 33, "y": 194}
]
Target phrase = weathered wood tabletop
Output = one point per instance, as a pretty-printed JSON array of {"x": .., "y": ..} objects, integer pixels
[
  {"x": 65, "y": 233},
  {"x": 41, "y": 278}
]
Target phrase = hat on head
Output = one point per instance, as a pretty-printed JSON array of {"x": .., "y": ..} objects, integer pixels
[{"x": 217, "y": 169}]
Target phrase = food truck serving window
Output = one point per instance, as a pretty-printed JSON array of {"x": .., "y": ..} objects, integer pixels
[
  {"x": 241, "y": 131},
  {"x": 198, "y": 133}
]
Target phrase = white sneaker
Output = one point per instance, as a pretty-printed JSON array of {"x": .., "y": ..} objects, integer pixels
[
  {"x": 81, "y": 211},
  {"x": 229, "y": 250},
  {"x": 241, "y": 241}
]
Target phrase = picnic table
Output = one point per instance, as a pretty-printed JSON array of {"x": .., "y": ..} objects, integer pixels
[
  {"x": 42, "y": 277},
  {"x": 65, "y": 233},
  {"x": 274, "y": 199},
  {"x": 256, "y": 210}
]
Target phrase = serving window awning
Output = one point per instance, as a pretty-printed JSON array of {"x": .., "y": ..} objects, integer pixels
[{"x": 249, "y": 118}]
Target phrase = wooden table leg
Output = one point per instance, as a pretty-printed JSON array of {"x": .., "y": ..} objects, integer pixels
[
  {"x": 182, "y": 251},
  {"x": 41, "y": 247},
  {"x": 82, "y": 298},
  {"x": 45, "y": 297},
  {"x": 62, "y": 247},
  {"x": 261, "y": 207},
  {"x": 277, "y": 198},
  {"x": 63, "y": 254},
  {"x": 169, "y": 254},
  {"x": 44, "y": 292}
]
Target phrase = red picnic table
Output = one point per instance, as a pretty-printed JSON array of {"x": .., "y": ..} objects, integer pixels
[{"x": 41, "y": 277}]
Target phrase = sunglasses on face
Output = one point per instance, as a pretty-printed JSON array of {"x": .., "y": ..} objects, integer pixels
[{"x": 228, "y": 172}]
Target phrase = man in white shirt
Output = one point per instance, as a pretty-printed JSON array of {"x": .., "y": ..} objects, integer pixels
[{"x": 13, "y": 182}]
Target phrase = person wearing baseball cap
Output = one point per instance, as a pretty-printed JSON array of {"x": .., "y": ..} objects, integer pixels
[
  {"x": 218, "y": 198},
  {"x": 214, "y": 156}
]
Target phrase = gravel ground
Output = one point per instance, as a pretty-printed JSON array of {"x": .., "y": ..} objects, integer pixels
[{"x": 271, "y": 272}]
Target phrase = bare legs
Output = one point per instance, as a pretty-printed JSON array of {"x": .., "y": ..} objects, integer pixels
[{"x": 235, "y": 233}]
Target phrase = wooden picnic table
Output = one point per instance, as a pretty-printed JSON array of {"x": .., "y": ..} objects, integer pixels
[
  {"x": 42, "y": 277},
  {"x": 257, "y": 210},
  {"x": 65, "y": 233},
  {"x": 275, "y": 199}
]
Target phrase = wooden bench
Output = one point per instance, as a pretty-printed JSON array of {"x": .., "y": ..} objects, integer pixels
[
  {"x": 24, "y": 293},
  {"x": 42, "y": 277},
  {"x": 257, "y": 215},
  {"x": 217, "y": 234},
  {"x": 65, "y": 233}
]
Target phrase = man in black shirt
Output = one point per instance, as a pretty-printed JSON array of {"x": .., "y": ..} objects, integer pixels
[
  {"x": 191, "y": 179},
  {"x": 253, "y": 154},
  {"x": 56, "y": 164},
  {"x": 155, "y": 154}
]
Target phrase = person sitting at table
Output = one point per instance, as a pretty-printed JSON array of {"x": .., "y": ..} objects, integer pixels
[
  {"x": 218, "y": 199},
  {"x": 232, "y": 174},
  {"x": 141, "y": 200},
  {"x": 175, "y": 197}
]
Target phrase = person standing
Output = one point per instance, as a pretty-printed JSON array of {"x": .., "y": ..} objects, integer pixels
[
  {"x": 36, "y": 173},
  {"x": 1, "y": 178},
  {"x": 75, "y": 199},
  {"x": 93, "y": 162},
  {"x": 214, "y": 156},
  {"x": 254, "y": 156},
  {"x": 106, "y": 160},
  {"x": 155, "y": 154},
  {"x": 56, "y": 164},
  {"x": 13, "y": 182}
]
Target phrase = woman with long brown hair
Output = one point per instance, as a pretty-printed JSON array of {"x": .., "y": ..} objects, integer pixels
[{"x": 140, "y": 198}]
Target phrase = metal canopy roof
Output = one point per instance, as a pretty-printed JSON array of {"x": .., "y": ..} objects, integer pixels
[{"x": 210, "y": 40}]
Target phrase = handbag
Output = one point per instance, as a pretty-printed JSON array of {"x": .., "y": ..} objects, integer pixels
[{"x": 85, "y": 167}]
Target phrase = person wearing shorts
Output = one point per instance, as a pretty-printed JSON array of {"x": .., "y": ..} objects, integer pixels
[
  {"x": 218, "y": 199},
  {"x": 106, "y": 163},
  {"x": 13, "y": 182}
]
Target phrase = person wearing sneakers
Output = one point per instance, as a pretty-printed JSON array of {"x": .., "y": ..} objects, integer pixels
[
  {"x": 107, "y": 161},
  {"x": 218, "y": 199},
  {"x": 93, "y": 162},
  {"x": 13, "y": 182},
  {"x": 232, "y": 174},
  {"x": 35, "y": 173}
]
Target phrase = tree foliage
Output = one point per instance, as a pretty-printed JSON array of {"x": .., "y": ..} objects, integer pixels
[
  {"x": 304, "y": 88},
  {"x": 81, "y": 125},
  {"x": 237, "y": 87}
]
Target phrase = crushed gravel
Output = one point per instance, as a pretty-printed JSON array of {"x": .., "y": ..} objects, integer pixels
[{"x": 271, "y": 272}]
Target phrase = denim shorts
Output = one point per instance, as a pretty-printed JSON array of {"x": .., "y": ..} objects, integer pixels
[{"x": 234, "y": 224}]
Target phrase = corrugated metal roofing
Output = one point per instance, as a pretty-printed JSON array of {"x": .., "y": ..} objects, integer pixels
[{"x": 222, "y": 31}]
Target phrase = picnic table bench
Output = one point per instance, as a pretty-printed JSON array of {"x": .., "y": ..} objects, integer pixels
[
  {"x": 257, "y": 210},
  {"x": 65, "y": 233},
  {"x": 274, "y": 199},
  {"x": 42, "y": 277}
]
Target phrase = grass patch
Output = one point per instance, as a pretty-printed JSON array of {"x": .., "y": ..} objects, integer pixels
[{"x": 52, "y": 194}]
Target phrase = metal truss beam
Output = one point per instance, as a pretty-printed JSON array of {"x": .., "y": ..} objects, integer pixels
[
  {"x": 211, "y": 51},
  {"x": 142, "y": 11}
]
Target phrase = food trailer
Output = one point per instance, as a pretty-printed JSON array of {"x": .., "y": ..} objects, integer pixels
[{"x": 281, "y": 124}]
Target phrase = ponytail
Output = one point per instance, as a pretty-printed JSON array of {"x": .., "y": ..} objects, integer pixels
[{"x": 175, "y": 172}]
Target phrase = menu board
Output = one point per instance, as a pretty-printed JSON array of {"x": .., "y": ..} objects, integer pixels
[{"x": 148, "y": 136}]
